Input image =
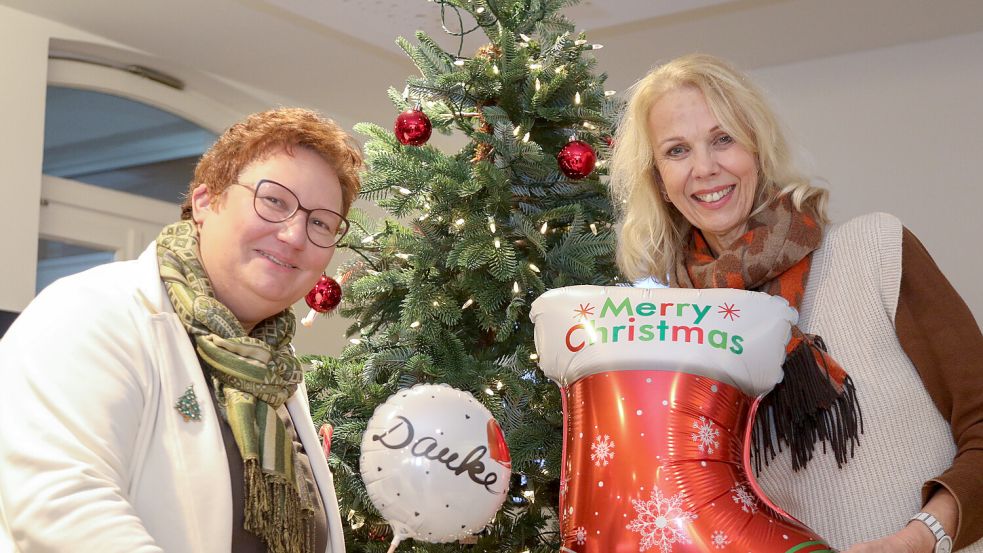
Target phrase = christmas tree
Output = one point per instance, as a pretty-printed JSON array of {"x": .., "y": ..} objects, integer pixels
[{"x": 440, "y": 292}]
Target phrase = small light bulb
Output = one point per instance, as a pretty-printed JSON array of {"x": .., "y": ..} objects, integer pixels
[
  {"x": 579, "y": 42},
  {"x": 525, "y": 138},
  {"x": 535, "y": 66},
  {"x": 424, "y": 217},
  {"x": 498, "y": 243},
  {"x": 495, "y": 69},
  {"x": 596, "y": 46},
  {"x": 406, "y": 92},
  {"x": 533, "y": 356},
  {"x": 436, "y": 304},
  {"x": 516, "y": 131},
  {"x": 355, "y": 341},
  {"x": 415, "y": 324},
  {"x": 491, "y": 224},
  {"x": 524, "y": 37},
  {"x": 368, "y": 239},
  {"x": 480, "y": 10},
  {"x": 404, "y": 191},
  {"x": 459, "y": 222},
  {"x": 610, "y": 92},
  {"x": 534, "y": 268},
  {"x": 593, "y": 228},
  {"x": 515, "y": 287},
  {"x": 542, "y": 229},
  {"x": 538, "y": 85},
  {"x": 459, "y": 62},
  {"x": 498, "y": 385},
  {"x": 467, "y": 304},
  {"x": 489, "y": 391},
  {"x": 576, "y": 98}
]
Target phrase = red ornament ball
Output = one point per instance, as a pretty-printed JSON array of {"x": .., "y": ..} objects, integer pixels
[
  {"x": 577, "y": 159},
  {"x": 412, "y": 127},
  {"x": 325, "y": 296}
]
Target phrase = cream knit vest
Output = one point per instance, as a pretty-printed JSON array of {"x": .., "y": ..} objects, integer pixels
[{"x": 850, "y": 301}]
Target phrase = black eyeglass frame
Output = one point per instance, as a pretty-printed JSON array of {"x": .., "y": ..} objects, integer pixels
[{"x": 342, "y": 220}]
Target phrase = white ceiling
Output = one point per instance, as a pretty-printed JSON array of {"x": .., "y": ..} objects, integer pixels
[
  {"x": 339, "y": 55},
  {"x": 379, "y": 22}
]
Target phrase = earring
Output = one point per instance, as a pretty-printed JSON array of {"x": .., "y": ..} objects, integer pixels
[{"x": 324, "y": 297}]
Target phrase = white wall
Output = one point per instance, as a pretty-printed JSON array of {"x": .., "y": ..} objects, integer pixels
[
  {"x": 23, "y": 70},
  {"x": 898, "y": 130}
]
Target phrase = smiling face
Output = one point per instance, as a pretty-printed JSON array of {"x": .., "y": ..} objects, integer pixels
[
  {"x": 707, "y": 175},
  {"x": 258, "y": 268}
]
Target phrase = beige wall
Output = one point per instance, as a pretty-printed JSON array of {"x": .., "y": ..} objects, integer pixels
[
  {"x": 898, "y": 130},
  {"x": 23, "y": 69}
]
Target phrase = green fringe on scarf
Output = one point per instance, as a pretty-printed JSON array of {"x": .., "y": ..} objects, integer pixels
[{"x": 252, "y": 377}]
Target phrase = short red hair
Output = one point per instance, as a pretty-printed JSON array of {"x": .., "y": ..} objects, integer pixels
[{"x": 265, "y": 133}]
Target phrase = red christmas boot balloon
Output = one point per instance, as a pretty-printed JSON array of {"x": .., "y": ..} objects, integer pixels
[
  {"x": 577, "y": 159},
  {"x": 658, "y": 415},
  {"x": 325, "y": 296},
  {"x": 413, "y": 127}
]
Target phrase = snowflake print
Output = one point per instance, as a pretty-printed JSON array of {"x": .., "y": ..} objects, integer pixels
[
  {"x": 580, "y": 535},
  {"x": 719, "y": 539},
  {"x": 706, "y": 434},
  {"x": 566, "y": 520},
  {"x": 661, "y": 521},
  {"x": 565, "y": 482},
  {"x": 602, "y": 450},
  {"x": 729, "y": 311},
  {"x": 744, "y": 498}
]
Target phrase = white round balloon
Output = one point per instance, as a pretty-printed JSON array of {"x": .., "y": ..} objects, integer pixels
[{"x": 435, "y": 463}]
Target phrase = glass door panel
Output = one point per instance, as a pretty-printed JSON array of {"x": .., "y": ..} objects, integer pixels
[{"x": 57, "y": 259}]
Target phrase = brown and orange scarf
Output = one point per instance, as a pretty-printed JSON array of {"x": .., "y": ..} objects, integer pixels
[{"x": 816, "y": 400}]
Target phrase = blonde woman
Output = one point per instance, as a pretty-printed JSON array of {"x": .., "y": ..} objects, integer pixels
[{"x": 890, "y": 389}]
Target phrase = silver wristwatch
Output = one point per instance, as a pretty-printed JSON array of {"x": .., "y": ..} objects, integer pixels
[{"x": 943, "y": 543}]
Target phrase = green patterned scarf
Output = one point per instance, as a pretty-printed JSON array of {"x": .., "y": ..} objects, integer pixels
[{"x": 252, "y": 376}]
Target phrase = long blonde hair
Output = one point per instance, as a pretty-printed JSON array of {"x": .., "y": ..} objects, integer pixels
[{"x": 652, "y": 233}]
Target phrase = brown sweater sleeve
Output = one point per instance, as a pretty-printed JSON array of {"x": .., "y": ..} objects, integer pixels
[{"x": 938, "y": 332}]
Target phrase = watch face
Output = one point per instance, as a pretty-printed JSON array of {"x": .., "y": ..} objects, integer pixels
[{"x": 944, "y": 545}]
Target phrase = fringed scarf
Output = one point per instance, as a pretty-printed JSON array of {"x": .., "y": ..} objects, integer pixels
[
  {"x": 816, "y": 400},
  {"x": 252, "y": 376}
]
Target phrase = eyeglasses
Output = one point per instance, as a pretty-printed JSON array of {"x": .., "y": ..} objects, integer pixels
[{"x": 275, "y": 203}]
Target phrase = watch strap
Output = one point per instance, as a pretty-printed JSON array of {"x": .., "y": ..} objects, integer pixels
[{"x": 933, "y": 525}]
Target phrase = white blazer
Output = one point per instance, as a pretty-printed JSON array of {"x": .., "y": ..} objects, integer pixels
[{"x": 93, "y": 454}]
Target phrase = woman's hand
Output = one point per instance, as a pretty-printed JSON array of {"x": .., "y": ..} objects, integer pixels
[{"x": 916, "y": 537}]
